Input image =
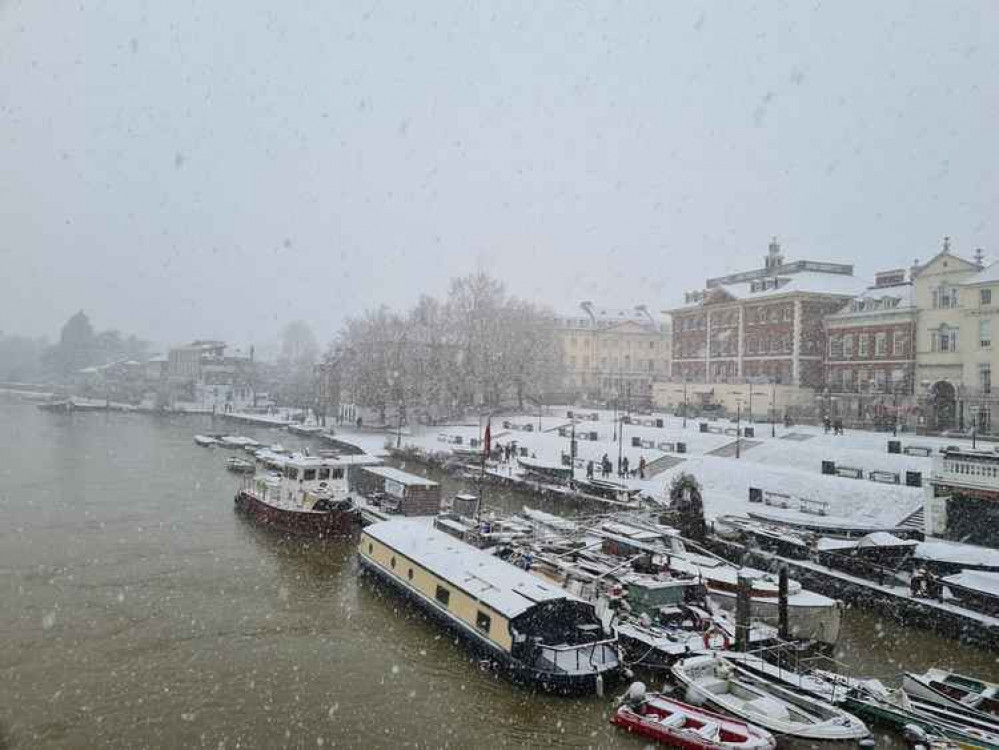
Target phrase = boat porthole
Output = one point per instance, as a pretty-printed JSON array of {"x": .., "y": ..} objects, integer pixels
[{"x": 392, "y": 562}]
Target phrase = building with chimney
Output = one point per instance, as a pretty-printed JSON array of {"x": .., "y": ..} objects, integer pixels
[
  {"x": 613, "y": 354},
  {"x": 762, "y": 326}
]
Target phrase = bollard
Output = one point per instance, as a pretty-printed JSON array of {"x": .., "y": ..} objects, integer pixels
[{"x": 742, "y": 604}]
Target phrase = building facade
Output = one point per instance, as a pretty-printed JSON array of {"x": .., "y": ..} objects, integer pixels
[
  {"x": 943, "y": 337},
  {"x": 871, "y": 353},
  {"x": 979, "y": 296},
  {"x": 612, "y": 354},
  {"x": 764, "y": 326},
  {"x": 203, "y": 373}
]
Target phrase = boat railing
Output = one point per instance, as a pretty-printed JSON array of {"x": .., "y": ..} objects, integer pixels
[{"x": 585, "y": 657}]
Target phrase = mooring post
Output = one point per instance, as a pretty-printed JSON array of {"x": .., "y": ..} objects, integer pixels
[
  {"x": 742, "y": 613},
  {"x": 783, "y": 630}
]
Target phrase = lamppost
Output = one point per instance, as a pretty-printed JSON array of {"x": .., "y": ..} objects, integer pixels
[
  {"x": 738, "y": 425},
  {"x": 773, "y": 408},
  {"x": 685, "y": 403},
  {"x": 750, "y": 401}
]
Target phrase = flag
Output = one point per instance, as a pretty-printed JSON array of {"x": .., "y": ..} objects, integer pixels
[{"x": 487, "y": 447}]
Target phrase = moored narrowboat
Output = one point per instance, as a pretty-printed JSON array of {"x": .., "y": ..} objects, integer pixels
[{"x": 534, "y": 632}]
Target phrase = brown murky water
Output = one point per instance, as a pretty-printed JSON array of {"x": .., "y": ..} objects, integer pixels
[{"x": 139, "y": 611}]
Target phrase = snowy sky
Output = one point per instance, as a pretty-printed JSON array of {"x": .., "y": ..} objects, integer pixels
[{"x": 183, "y": 169}]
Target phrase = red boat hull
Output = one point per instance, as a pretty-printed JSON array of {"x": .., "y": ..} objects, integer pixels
[
  {"x": 733, "y": 735},
  {"x": 318, "y": 525}
]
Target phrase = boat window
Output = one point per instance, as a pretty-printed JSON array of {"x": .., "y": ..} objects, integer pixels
[
  {"x": 371, "y": 548},
  {"x": 483, "y": 621},
  {"x": 291, "y": 472},
  {"x": 309, "y": 475},
  {"x": 410, "y": 574},
  {"x": 337, "y": 474},
  {"x": 324, "y": 473},
  {"x": 392, "y": 561},
  {"x": 443, "y": 595}
]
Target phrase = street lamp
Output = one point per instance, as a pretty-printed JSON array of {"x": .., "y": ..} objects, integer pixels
[
  {"x": 773, "y": 408},
  {"x": 685, "y": 403},
  {"x": 738, "y": 425}
]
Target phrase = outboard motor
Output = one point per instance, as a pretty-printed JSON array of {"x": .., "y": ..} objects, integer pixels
[
  {"x": 916, "y": 737},
  {"x": 635, "y": 695}
]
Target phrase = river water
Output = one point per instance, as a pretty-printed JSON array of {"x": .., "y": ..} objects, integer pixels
[{"x": 139, "y": 611}]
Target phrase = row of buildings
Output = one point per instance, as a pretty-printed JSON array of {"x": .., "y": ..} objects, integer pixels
[
  {"x": 201, "y": 375},
  {"x": 804, "y": 338}
]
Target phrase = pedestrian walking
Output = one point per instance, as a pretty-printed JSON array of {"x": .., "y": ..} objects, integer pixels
[
  {"x": 641, "y": 467},
  {"x": 827, "y": 423},
  {"x": 624, "y": 466},
  {"x": 589, "y": 469}
]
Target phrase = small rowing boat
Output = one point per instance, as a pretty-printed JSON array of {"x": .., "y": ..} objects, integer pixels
[
  {"x": 205, "y": 441},
  {"x": 239, "y": 466},
  {"x": 683, "y": 726},
  {"x": 955, "y": 691}
]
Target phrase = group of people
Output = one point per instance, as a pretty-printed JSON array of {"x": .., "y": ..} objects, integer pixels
[
  {"x": 623, "y": 468},
  {"x": 835, "y": 426}
]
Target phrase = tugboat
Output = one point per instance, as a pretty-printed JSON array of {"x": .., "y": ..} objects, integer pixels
[{"x": 306, "y": 496}]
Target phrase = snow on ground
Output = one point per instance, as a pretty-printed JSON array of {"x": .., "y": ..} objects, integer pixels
[{"x": 726, "y": 483}]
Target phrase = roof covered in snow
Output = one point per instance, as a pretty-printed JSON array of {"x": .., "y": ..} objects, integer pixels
[
  {"x": 808, "y": 282},
  {"x": 504, "y": 587},
  {"x": 987, "y": 583},
  {"x": 988, "y": 275},
  {"x": 402, "y": 477}
]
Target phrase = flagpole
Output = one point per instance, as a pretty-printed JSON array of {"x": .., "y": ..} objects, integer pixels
[{"x": 482, "y": 470}]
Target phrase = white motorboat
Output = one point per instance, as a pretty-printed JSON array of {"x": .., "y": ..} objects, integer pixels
[
  {"x": 955, "y": 691},
  {"x": 205, "y": 441},
  {"x": 822, "y": 685},
  {"x": 711, "y": 680}
]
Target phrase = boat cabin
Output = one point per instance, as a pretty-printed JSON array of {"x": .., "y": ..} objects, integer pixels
[
  {"x": 662, "y": 599},
  {"x": 537, "y": 629},
  {"x": 397, "y": 491},
  {"x": 300, "y": 481}
]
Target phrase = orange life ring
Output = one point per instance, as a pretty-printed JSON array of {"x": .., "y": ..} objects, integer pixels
[{"x": 726, "y": 643}]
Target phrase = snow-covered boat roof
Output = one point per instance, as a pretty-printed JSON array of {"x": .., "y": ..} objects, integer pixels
[
  {"x": 978, "y": 580},
  {"x": 309, "y": 462},
  {"x": 402, "y": 477},
  {"x": 504, "y": 587},
  {"x": 870, "y": 541},
  {"x": 958, "y": 553}
]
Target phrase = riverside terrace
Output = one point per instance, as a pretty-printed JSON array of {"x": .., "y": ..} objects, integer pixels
[{"x": 789, "y": 463}]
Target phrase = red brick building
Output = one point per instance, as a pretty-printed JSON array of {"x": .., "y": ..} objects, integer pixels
[
  {"x": 762, "y": 325},
  {"x": 871, "y": 350}
]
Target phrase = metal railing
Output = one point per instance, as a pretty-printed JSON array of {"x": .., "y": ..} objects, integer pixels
[{"x": 588, "y": 657}]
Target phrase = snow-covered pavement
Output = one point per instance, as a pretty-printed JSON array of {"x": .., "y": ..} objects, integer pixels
[{"x": 789, "y": 462}]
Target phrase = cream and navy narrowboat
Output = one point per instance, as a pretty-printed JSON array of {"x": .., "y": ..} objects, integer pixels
[{"x": 534, "y": 632}]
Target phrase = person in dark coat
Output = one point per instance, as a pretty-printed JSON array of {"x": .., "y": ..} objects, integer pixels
[
  {"x": 827, "y": 423},
  {"x": 624, "y": 466},
  {"x": 641, "y": 467},
  {"x": 589, "y": 469}
]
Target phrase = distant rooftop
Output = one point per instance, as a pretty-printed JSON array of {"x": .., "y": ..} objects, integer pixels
[{"x": 775, "y": 265}]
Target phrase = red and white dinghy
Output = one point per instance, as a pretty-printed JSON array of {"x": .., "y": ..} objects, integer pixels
[{"x": 683, "y": 726}]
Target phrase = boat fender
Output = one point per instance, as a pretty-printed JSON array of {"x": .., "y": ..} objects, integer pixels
[
  {"x": 726, "y": 643},
  {"x": 600, "y": 686}
]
